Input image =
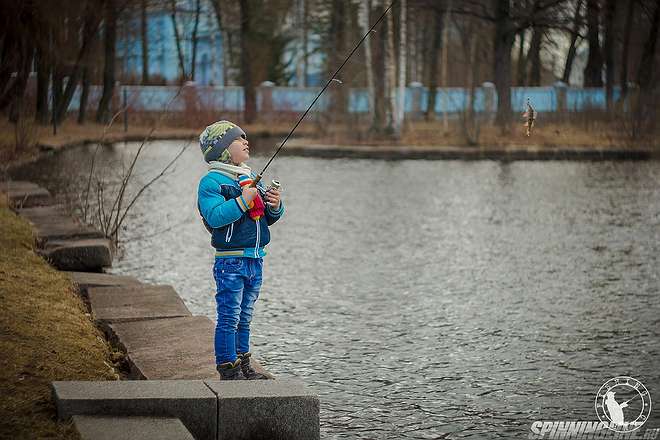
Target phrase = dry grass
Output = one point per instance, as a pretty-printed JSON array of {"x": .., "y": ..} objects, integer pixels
[
  {"x": 545, "y": 135},
  {"x": 45, "y": 336},
  {"x": 38, "y": 137},
  {"x": 583, "y": 130}
]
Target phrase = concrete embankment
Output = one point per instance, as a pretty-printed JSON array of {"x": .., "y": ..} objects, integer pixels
[{"x": 167, "y": 347}]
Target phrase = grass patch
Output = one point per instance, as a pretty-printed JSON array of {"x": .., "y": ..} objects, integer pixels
[{"x": 45, "y": 335}]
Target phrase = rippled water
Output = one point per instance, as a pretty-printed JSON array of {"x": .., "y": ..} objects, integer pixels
[{"x": 425, "y": 298}]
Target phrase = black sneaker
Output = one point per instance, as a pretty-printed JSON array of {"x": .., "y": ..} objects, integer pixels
[
  {"x": 230, "y": 370},
  {"x": 249, "y": 372}
]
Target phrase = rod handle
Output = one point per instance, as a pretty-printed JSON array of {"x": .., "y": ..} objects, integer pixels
[{"x": 255, "y": 181}]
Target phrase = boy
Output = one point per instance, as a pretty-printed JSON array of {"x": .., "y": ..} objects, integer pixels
[{"x": 238, "y": 220}]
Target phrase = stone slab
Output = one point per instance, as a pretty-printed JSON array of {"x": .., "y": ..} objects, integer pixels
[
  {"x": 26, "y": 194},
  {"x": 173, "y": 348},
  {"x": 86, "y": 254},
  {"x": 190, "y": 401},
  {"x": 85, "y": 280},
  {"x": 130, "y": 428},
  {"x": 133, "y": 302},
  {"x": 266, "y": 409},
  {"x": 53, "y": 223}
]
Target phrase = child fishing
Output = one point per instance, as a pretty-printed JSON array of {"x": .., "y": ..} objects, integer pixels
[{"x": 238, "y": 214}]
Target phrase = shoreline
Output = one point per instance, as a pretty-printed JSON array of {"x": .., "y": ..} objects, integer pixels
[
  {"x": 503, "y": 153},
  {"x": 309, "y": 147}
]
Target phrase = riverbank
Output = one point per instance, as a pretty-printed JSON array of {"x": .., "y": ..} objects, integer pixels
[
  {"x": 597, "y": 140},
  {"x": 309, "y": 148},
  {"x": 47, "y": 335},
  {"x": 27, "y": 141}
]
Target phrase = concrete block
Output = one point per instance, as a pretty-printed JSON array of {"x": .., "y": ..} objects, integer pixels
[
  {"x": 173, "y": 348},
  {"x": 26, "y": 194},
  {"x": 91, "y": 254},
  {"x": 53, "y": 223},
  {"x": 85, "y": 280},
  {"x": 190, "y": 401},
  {"x": 130, "y": 428},
  {"x": 135, "y": 302},
  {"x": 266, "y": 409}
]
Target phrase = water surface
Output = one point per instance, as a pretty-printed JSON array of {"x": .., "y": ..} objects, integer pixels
[{"x": 425, "y": 298}]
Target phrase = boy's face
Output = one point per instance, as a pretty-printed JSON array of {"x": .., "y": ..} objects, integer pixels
[{"x": 239, "y": 150}]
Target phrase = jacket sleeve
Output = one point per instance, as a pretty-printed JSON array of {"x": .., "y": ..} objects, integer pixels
[
  {"x": 272, "y": 216},
  {"x": 215, "y": 208}
]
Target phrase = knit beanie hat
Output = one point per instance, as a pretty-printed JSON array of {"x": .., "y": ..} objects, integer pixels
[{"x": 216, "y": 138}]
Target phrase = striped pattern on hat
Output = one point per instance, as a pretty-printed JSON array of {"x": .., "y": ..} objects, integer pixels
[{"x": 215, "y": 139}]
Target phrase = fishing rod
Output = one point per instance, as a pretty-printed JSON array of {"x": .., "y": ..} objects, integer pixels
[{"x": 332, "y": 79}]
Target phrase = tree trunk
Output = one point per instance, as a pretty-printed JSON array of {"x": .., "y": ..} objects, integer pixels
[
  {"x": 43, "y": 80},
  {"x": 645, "y": 76},
  {"x": 522, "y": 60},
  {"x": 177, "y": 40},
  {"x": 593, "y": 76},
  {"x": 570, "y": 56},
  {"x": 250, "y": 109},
  {"x": 14, "y": 96},
  {"x": 365, "y": 9},
  {"x": 445, "y": 66},
  {"x": 610, "y": 10},
  {"x": 433, "y": 62},
  {"x": 110, "y": 37},
  {"x": 624, "y": 50},
  {"x": 398, "y": 126},
  {"x": 145, "y": 42},
  {"x": 378, "y": 121},
  {"x": 504, "y": 37},
  {"x": 337, "y": 49},
  {"x": 84, "y": 93},
  {"x": 305, "y": 42},
  {"x": 534, "y": 57},
  {"x": 57, "y": 85},
  {"x": 226, "y": 45},
  {"x": 390, "y": 74},
  {"x": 90, "y": 27},
  {"x": 194, "y": 40}
]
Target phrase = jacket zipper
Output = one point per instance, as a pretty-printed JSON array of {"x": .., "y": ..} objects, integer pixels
[{"x": 256, "y": 248}]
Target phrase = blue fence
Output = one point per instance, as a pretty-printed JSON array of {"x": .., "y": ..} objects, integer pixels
[{"x": 296, "y": 100}]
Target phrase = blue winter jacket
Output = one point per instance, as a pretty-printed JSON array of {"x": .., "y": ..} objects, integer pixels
[{"x": 224, "y": 212}]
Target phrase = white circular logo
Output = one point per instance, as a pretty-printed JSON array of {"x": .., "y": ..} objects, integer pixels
[{"x": 623, "y": 403}]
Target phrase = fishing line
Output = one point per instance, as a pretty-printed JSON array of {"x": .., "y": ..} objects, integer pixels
[{"x": 331, "y": 80}]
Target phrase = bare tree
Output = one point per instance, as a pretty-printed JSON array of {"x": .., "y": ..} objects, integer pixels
[
  {"x": 249, "y": 93},
  {"x": 625, "y": 49},
  {"x": 177, "y": 40},
  {"x": 610, "y": 10},
  {"x": 144, "y": 26},
  {"x": 193, "y": 62},
  {"x": 575, "y": 34},
  {"x": 110, "y": 42},
  {"x": 365, "y": 9},
  {"x": 437, "y": 11},
  {"x": 647, "y": 63},
  {"x": 503, "y": 43},
  {"x": 593, "y": 72},
  {"x": 398, "y": 125},
  {"x": 91, "y": 22}
]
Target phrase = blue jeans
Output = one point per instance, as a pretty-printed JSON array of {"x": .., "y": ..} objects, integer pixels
[{"x": 238, "y": 281}]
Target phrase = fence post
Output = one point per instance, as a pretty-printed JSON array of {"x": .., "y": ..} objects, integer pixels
[
  {"x": 416, "y": 90},
  {"x": 490, "y": 103},
  {"x": 265, "y": 92}
]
